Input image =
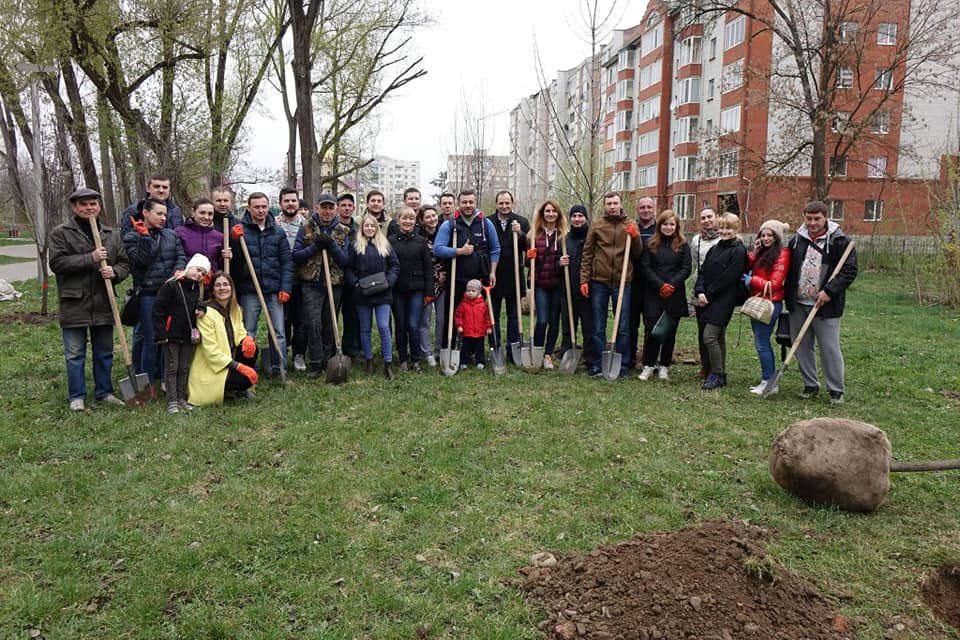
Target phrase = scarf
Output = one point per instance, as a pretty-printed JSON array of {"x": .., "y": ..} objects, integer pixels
[{"x": 711, "y": 234}]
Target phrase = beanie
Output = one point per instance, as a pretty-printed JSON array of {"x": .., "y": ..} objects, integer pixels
[
  {"x": 199, "y": 260},
  {"x": 579, "y": 208},
  {"x": 778, "y": 228}
]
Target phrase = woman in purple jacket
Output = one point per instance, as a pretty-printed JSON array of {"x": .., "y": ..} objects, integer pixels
[{"x": 198, "y": 235}]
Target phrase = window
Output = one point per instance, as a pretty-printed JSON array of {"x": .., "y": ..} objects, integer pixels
[
  {"x": 624, "y": 148},
  {"x": 625, "y": 89},
  {"x": 649, "y": 109},
  {"x": 611, "y": 76},
  {"x": 835, "y": 210},
  {"x": 729, "y": 162},
  {"x": 840, "y": 122},
  {"x": 609, "y": 132},
  {"x": 611, "y": 102},
  {"x": 650, "y": 74},
  {"x": 838, "y": 166},
  {"x": 880, "y": 123},
  {"x": 887, "y": 33},
  {"x": 625, "y": 60},
  {"x": 648, "y": 142},
  {"x": 877, "y": 167},
  {"x": 844, "y": 78},
  {"x": 689, "y": 90},
  {"x": 624, "y": 120},
  {"x": 686, "y": 130},
  {"x": 608, "y": 158},
  {"x": 732, "y": 75},
  {"x": 690, "y": 51},
  {"x": 883, "y": 79},
  {"x": 622, "y": 182},
  {"x": 713, "y": 47},
  {"x": 708, "y": 128},
  {"x": 730, "y": 119},
  {"x": 684, "y": 204},
  {"x": 647, "y": 176},
  {"x": 733, "y": 32},
  {"x": 711, "y": 88},
  {"x": 685, "y": 168},
  {"x": 651, "y": 40},
  {"x": 848, "y": 31},
  {"x": 873, "y": 210}
]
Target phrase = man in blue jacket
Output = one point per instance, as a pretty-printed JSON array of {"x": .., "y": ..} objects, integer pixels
[
  {"x": 273, "y": 267},
  {"x": 158, "y": 188}
]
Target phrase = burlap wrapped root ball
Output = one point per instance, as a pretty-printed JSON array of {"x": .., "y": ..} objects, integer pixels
[{"x": 833, "y": 461}]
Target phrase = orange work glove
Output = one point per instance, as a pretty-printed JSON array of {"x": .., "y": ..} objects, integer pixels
[
  {"x": 283, "y": 297},
  {"x": 531, "y": 253},
  {"x": 236, "y": 231},
  {"x": 248, "y": 347},
  {"x": 248, "y": 373},
  {"x": 632, "y": 230},
  {"x": 585, "y": 290},
  {"x": 141, "y": 227},
  {"x": 666, "y": 290},
  {"x": 427, "y": 299}
]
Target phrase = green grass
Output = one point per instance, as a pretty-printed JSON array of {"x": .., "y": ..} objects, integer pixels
[
  {"x": 14, "y": 260},
  {"x": 367, "y": 510}
]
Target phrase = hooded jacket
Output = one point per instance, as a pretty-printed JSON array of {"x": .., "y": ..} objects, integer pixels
[
  {"x": 775, "y": 275},
  {"x": 174, "y": 312},
  {"x": 473, "y": 316},
  {"x": 207, "y": 241},
  {"x": 174, "y": 215},
  {"x": 481, "y": 233},
  {"x": 603, "y": 251},
  {"x": 835, "y": 243},
  {"x": 153, "y": 257},
  {"x": 270, "y": 254},
  {"x": 575, "y": 239}
]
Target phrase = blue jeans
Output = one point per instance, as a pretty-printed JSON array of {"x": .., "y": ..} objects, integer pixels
[
  {"x": 407, "y": 311},
  {"x": 365, "y": 313},
  {"x": 761, "y": 339},
  {"x": 602, "y": 296},
  {"x": 146, "y": 352},
  {"x": 75, "y": 355},
  {"x": 250, "y": 306},
  {"x": 548, "y": 317}
]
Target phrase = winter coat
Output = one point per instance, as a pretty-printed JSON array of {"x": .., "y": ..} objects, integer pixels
[
  {"x": 270, "y": 254},
  {"x": 548, "y": 274},
  {"x": 416, "y": 263},
  {"x": 308, "y": 256},
  {"x": 719, "y": 280},
  {"x": 836, "y": 244},
  {"x": 575, "y": 240},
  {"x": 81, "y": 291},
  {"x": 153, "y": 257},
  {"x": 213, "y": 356},
  {"x": 603, "y": 251},
  {"x": 441, "y": 267},
  {"x": 473, "y": 317},
  {"x": 369, "y": 263},
  {"x": 486, "y": 246},
  {"x": 506, "y": 280},
  {"x": 203, "y": 240},
  {"x": 174, "y": 215},
  {"x": 665, "y": 266},
  {"x": 775, "y": 274},
  {"x": 175, "y": 310}
]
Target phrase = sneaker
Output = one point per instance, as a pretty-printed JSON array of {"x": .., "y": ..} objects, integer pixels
[
  {"x": 836, "y": 397},
  {"x": 809, "y": 393},
  {"x": 480, "y": 366},
  {"x": 431, "y": 361},
  {"x": 662, "y": 373},
  {"x": 712, "y": 383},
  {"x": 463, "y": 367},
  {"x": 763, "y": 389},
  {"x": 173, "y": 407},
  {"x": 111, "y": 399},
  {"x": 185, "y": 406},
  {"x": 758, "y": 389},
  {"x": 548, "y": 363},
  {"x": 298, "y": 362},
  {"x": 646, "y": 373},
  {"x": 77, "y": 404},
  {"x": 416, "y": 367}
]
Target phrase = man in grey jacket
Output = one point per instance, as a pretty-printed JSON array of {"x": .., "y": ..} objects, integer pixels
[{"x": 82, "y": 295}]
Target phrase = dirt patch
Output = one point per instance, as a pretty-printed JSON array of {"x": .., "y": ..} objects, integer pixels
[
  {"x": 941, "y": 592},
  {"x": 27, "y": 317},
  {"x": 711, "y": 582}
]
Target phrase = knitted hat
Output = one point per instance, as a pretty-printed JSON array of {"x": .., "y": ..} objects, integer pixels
[
  {"x": 199, "y": 260},
  {"x": 474, "y": 284},
  {"x": 579, "y": 208},
  {"x": 778, "y": 228}
]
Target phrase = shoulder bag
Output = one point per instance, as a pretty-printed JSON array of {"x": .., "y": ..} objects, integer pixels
[
  {"x": 759, "y": 308},
  {"x": 373, "y": 284}
]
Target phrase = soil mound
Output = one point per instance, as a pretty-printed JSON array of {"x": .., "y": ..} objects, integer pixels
[
  {"x": 941, "y": 592},
  {"x": 713, "y": 582}
]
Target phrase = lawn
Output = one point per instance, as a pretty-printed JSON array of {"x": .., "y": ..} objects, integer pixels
[{"x": 368, "y": 510}]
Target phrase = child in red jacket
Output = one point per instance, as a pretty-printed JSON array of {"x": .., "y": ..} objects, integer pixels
[{"x": 472, "y": 320}]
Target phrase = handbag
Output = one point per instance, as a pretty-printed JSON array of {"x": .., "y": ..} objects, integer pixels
[
  {"x": 664, "y": 326},
  {"x": 760, "y": 308},
  {"x": 373, "y": 284},
  {"x": 783, "y": 337},
  {"x": 130, "y": 311},
  {"x": 194, "y": 331}
]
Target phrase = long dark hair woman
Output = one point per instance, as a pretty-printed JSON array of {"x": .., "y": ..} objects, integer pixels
[{"x": 769, "y": 264}]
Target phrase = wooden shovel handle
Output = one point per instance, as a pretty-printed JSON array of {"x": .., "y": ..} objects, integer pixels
[
  {"x": 516, "y": 276},
  {"x": 333, "y": 307},
  {"x": 933, "y": 465},
  {"x": 452, "y": 288},
  {"x": 226, "y": 241},
  {"x": 569, "y": 285},
  {"x": 263, "y": 302},
  {"x": 127, "y": 360}
]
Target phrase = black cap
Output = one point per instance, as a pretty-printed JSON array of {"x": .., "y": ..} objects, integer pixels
[
  {"x": 327, "y": 198},
  {"x": 578, "y": 208},
  {"x": 83, "y": 194}
]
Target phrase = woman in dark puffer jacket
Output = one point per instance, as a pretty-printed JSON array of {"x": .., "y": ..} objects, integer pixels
[{"x": 414, "y": 287}]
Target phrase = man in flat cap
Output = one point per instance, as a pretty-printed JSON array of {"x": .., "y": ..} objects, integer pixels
[{"x": 82, "y": 281}]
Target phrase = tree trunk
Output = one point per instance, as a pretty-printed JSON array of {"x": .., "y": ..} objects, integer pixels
[
  {"x": 104, "y": 134},
  {"x": 79, "y": 132}
]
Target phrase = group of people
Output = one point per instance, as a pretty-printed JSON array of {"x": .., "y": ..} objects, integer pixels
[{"x": 425, "y": 277}]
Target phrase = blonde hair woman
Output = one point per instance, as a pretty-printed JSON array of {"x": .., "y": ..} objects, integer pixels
[{"x": 547, "y": 232}]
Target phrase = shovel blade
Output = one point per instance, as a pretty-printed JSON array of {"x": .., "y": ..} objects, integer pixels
[
  {"x": 570, "y": 361},
  {"x": 611, "y": 361},
  {"x": 450, "y": 361},
  {"x": 136, "y": 389},
  {"x": 772, "y": 382},
  {"x": 338, "y": 368},
  {"x": 515, "y": 351},
  {"x": 499, "y": 361},
  {"x": 536, "y": 358}
]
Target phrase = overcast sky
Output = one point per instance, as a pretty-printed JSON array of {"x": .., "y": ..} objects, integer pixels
[{"x": 483, "y": 51}]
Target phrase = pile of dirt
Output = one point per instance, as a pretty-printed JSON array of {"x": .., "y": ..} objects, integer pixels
[
  {"x": 712, "y": 582},
  {"x": 941, "y": 592}
]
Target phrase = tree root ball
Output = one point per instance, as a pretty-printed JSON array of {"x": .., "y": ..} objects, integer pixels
[{"x": 833, "y": 461}]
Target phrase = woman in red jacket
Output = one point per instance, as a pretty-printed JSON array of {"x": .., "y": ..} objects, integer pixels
[
  {"x": 769, "y": 263},
  {"x": 472, "y": 321}
]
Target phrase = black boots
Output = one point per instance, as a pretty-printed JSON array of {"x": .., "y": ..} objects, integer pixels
[
  {"x": 387, "y": 371},
  {"x": 370, "y": 366}
]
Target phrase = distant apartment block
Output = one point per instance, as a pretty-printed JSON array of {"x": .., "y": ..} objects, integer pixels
[
  {"x": 389, "y": 175},
  {"x": 484, "y": 173}
]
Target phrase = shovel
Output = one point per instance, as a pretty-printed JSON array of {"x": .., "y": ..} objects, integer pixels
[
  {"x": 135, "y": 389},
  {"x": 263, "y": 305},
  {"x": 535, "y": 359},
  {"x": 611, "y": 359},
  {"x": 571, "y": 357},
  {"x": 226, "y": 240},
  {"x": 338, "y": 366},
  {"x": 517, "y": 348},
  {"x": 450, "y": 357},
  {"x": 497, "y": 357},
  {"x": 775, "y": 380}
]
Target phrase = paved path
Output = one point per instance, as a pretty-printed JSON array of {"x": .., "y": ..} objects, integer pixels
[{"x": 20, "y": 270}]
